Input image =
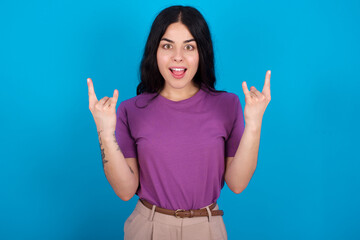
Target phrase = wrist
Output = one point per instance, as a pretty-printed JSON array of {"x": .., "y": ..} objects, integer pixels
[
  {"x": 106, "y": 134},
  {"x": 253, "y": 127}
]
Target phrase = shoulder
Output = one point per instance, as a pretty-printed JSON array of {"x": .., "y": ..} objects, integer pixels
[
  {"x": 224, "y": 97},
  {"x": 135, "y": 102},
  {"x": 231, "y": 96}
]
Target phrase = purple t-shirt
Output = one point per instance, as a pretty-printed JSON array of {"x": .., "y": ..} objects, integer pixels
[{"x": 180, "y": 145}]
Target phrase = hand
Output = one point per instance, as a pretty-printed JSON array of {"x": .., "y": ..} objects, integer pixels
[
  {"x": 103, "y": 111},
  {"x": 256, "y": 102}
]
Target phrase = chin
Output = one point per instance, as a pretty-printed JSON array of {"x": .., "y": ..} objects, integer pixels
[{"x": 178, "y": 84}]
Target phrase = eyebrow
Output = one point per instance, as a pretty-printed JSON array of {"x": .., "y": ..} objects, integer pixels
[{"x": 168, "y": 40}]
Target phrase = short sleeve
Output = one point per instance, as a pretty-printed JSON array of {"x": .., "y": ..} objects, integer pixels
[
  {"x": 123, "y": 134},
  {"x": 233, "y": 141}
]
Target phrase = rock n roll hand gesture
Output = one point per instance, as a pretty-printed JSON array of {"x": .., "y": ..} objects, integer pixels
[
  {"x": 103, "y": 111},
  {"x": 256, "y": 102},
  {"x": 242, "y": 166}
]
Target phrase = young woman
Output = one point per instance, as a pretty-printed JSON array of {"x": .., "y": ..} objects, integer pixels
[{"x": 179, "y": 139}]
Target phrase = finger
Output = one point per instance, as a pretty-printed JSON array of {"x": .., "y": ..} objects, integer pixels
[
  {"x": 102, "y": 101},
  {"x": 107, "y": 102},
  {"x": 266, "y": 88},
  {"x": 253, "y": 89},
  {"x": 252, "y": 94},
  {"x": 114, "y": 98},
  {"x": 92, "y": 96},
  {"x": 245, "y": 89},
  {"x": 257, "y": 93}
]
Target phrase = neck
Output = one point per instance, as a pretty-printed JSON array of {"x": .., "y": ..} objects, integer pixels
[{"x": 179, "y": 94}]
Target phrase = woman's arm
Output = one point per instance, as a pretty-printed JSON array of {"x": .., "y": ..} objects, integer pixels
[
  {"x": 122, "y": 173},
  {"x": 241, "y": 167}
]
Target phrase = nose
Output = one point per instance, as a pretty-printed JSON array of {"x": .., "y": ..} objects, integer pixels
[{"x": 178, "y": 56}]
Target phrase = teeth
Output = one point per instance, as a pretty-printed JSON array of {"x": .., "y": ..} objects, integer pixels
[{"x": 178, "y": 69}]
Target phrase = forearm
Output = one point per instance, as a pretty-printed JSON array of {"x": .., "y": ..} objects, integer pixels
[
  {"x": 243, "y": 165},
  {"x": 119, "y": 174}
]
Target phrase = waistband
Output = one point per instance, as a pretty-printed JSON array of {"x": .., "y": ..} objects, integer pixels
[{"x": 182, "y": 213}]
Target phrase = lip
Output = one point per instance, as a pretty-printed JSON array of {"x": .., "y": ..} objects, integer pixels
[
  {"x": 177, "y": 67},
  {"x": 178, "y": 76}
]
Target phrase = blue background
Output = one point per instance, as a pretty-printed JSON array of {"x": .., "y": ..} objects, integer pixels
[{"x": 306, "y": 185}]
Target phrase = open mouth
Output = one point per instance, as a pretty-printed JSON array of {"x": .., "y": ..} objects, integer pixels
[{"x": 178, "y": 72}]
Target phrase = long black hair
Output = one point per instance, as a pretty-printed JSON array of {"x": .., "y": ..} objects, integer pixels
[{"x": 151, "y": 80}]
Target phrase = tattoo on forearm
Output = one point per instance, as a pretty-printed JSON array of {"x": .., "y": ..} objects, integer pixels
[
  {"x": 118, "y": 148},
  {"x": 102, "y": 150}
]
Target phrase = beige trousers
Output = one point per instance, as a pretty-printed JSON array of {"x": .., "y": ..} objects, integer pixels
[{"x": 146, "y": 224}]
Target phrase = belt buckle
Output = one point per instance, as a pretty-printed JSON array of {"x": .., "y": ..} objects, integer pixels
[{"x": 179, "y": 210}]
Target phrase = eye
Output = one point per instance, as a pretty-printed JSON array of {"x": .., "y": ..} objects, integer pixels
[
  {"x": 166, "y": 46},
  {"x": 189, "y": 47}
]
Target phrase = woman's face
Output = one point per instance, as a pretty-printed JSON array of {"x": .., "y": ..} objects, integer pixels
[{"x": 177, "y": 56}]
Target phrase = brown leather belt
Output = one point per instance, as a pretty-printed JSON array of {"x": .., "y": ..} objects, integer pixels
[{"x": 182, "y": 213}]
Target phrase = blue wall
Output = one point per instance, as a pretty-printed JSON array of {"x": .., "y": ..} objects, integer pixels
[{"x": 306, "y": 185}]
